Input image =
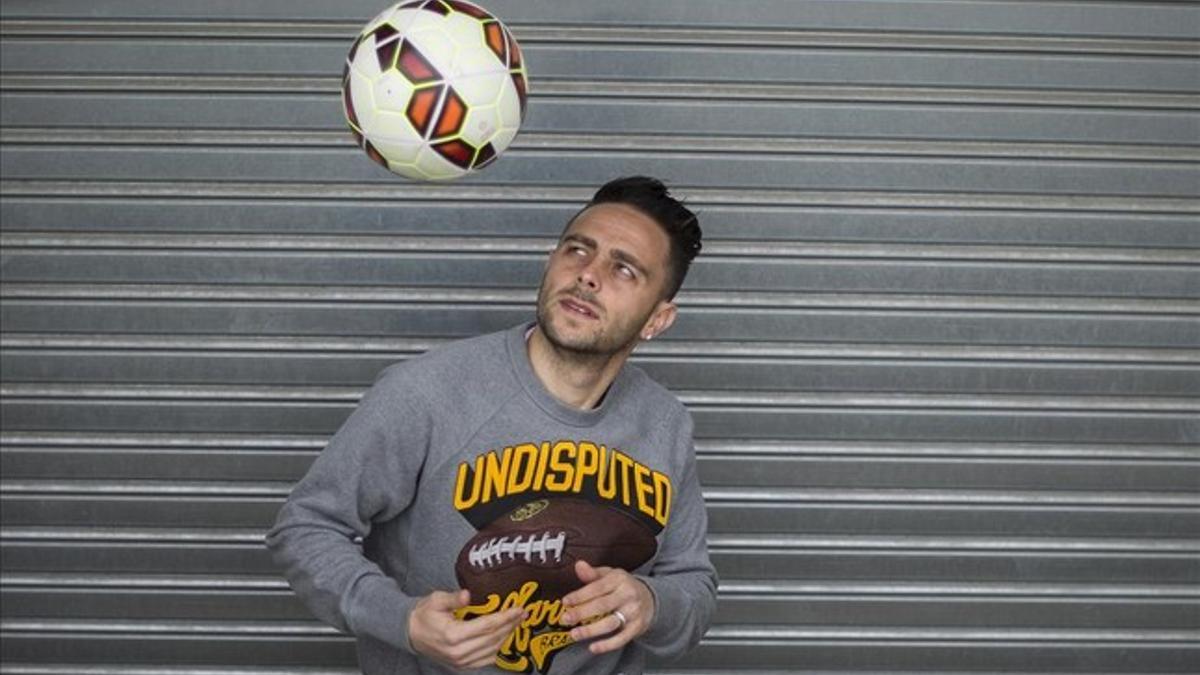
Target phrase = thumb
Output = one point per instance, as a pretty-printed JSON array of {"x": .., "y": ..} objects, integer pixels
[
  {"x": 445, "y": 602},
  {"x": 462, "y": 598},
  {"x": 586, "y": 573}
]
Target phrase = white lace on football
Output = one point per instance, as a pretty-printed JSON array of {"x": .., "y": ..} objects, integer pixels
[{"x": 498, "y": 550}]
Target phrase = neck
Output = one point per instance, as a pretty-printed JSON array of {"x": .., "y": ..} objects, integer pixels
[{"x": 575, "y": 379}]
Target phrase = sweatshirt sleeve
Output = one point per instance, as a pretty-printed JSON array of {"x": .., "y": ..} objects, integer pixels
[
  {"x": 682, "y": 579},
  {"x": 367, "y": 473}
]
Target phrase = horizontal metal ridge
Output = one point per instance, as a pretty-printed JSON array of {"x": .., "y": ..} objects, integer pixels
[
  {"x": 776, "y": 497},
  {"x": 573, "y": 196},
  {"x": 780, "y": 497},
  {"x": 990, "y": 451},
  {"x": 1112, "y": 638},
  {"x": 987, "y": 589},
  {"x": 899, "y": 544},
  {"x": 630, "y": 142},
  {"x": 318, "y": 395},
  {"x": 116, "y": 392},
  {"x": 221, "y": 344},
  {"x": 66, "y": 243},
  {"x": 846, "y": 39},
  {"x": 266, "y": 293},
  {"x": 19, "y": 668},
  {"x": 141, "y": 488},
  {"x": 876, "y": 93},
  {"x": 729, "y": 587},
  {"x": 662, "y": 350},
  {"x": 802, "y": 399},
  {"x": 550, "y": 88},
  {"x": 530, "y": 34},
  {"x": 152, "y": 628},
  {"x": 112, "y": 535},
  {"x": 492, "y": 245},
  {"x": 432, "y": 295},
  {"x": 910, "y": 543},
  {"x": 171, "y": 627},
  {"x": 104, "y": 442},
  {"x": 792, "y": 670},
  {"x": 144, "y": 581},
  {"x": 176, "y": 441}
]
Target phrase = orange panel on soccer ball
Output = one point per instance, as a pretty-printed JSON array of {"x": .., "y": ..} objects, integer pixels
[
  {"x": 414, "y": 66},
  {"x": 495, "y": 39},
  {"x": 453, "y": 113},
  {"x": 420, "y": 108}
]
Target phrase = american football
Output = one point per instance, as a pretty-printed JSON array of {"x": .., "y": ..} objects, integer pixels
[{"x": 541, "y": 540}]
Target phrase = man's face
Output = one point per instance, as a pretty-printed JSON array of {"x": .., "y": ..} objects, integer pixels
[{"x": 603, "y": 284}]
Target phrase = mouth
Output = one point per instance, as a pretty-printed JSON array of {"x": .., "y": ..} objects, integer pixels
[{"x": 579, "y": 308}]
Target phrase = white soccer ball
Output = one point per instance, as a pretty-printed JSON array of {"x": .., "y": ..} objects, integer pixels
[{"x": 434, "y": 89}]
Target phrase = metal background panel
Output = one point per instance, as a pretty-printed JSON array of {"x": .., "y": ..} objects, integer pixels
[{"x": 942, "y": 347}]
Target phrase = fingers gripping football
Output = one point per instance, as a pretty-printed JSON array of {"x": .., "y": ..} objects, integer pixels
[
  {"x": 435, "y": 632},
  {"x": 621, "y": 605}
]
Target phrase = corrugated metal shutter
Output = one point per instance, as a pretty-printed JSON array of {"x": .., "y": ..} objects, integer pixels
[{"x": 942, "y": 348}]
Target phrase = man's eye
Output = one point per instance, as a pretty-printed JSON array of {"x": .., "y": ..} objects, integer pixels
[{"x": 626, "y": 271}]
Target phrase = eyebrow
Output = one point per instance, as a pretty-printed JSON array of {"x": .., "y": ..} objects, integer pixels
[{"x": 617, "y": 254}]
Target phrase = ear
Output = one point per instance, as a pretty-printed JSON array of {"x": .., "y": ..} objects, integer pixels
[{"x": 660, "y": 320}]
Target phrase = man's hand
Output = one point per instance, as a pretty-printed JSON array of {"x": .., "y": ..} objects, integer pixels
[
  {"x": 462, "y": 645},
  {"x": 608, "y": 590}
]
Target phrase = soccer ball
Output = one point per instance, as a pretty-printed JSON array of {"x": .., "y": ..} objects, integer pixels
[{"x": 434, "y": 89}]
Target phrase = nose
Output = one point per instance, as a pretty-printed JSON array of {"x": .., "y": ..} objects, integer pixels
[{"x": 588, "y": 276}]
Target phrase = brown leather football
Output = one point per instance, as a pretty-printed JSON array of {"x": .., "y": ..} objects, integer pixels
[{"x": 541, "y": 540}]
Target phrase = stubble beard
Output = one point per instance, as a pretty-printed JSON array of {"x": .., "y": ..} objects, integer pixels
[{"x": 597, "y": 345}]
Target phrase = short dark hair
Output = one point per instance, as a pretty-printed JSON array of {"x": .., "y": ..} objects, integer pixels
[{"x": 650, "y": 196}]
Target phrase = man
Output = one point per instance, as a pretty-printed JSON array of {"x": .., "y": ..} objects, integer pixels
[{"x": 507, "y": 423}]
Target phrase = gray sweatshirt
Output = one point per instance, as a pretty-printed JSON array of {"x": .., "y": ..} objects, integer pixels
[{"x": 427, "y": 459}]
